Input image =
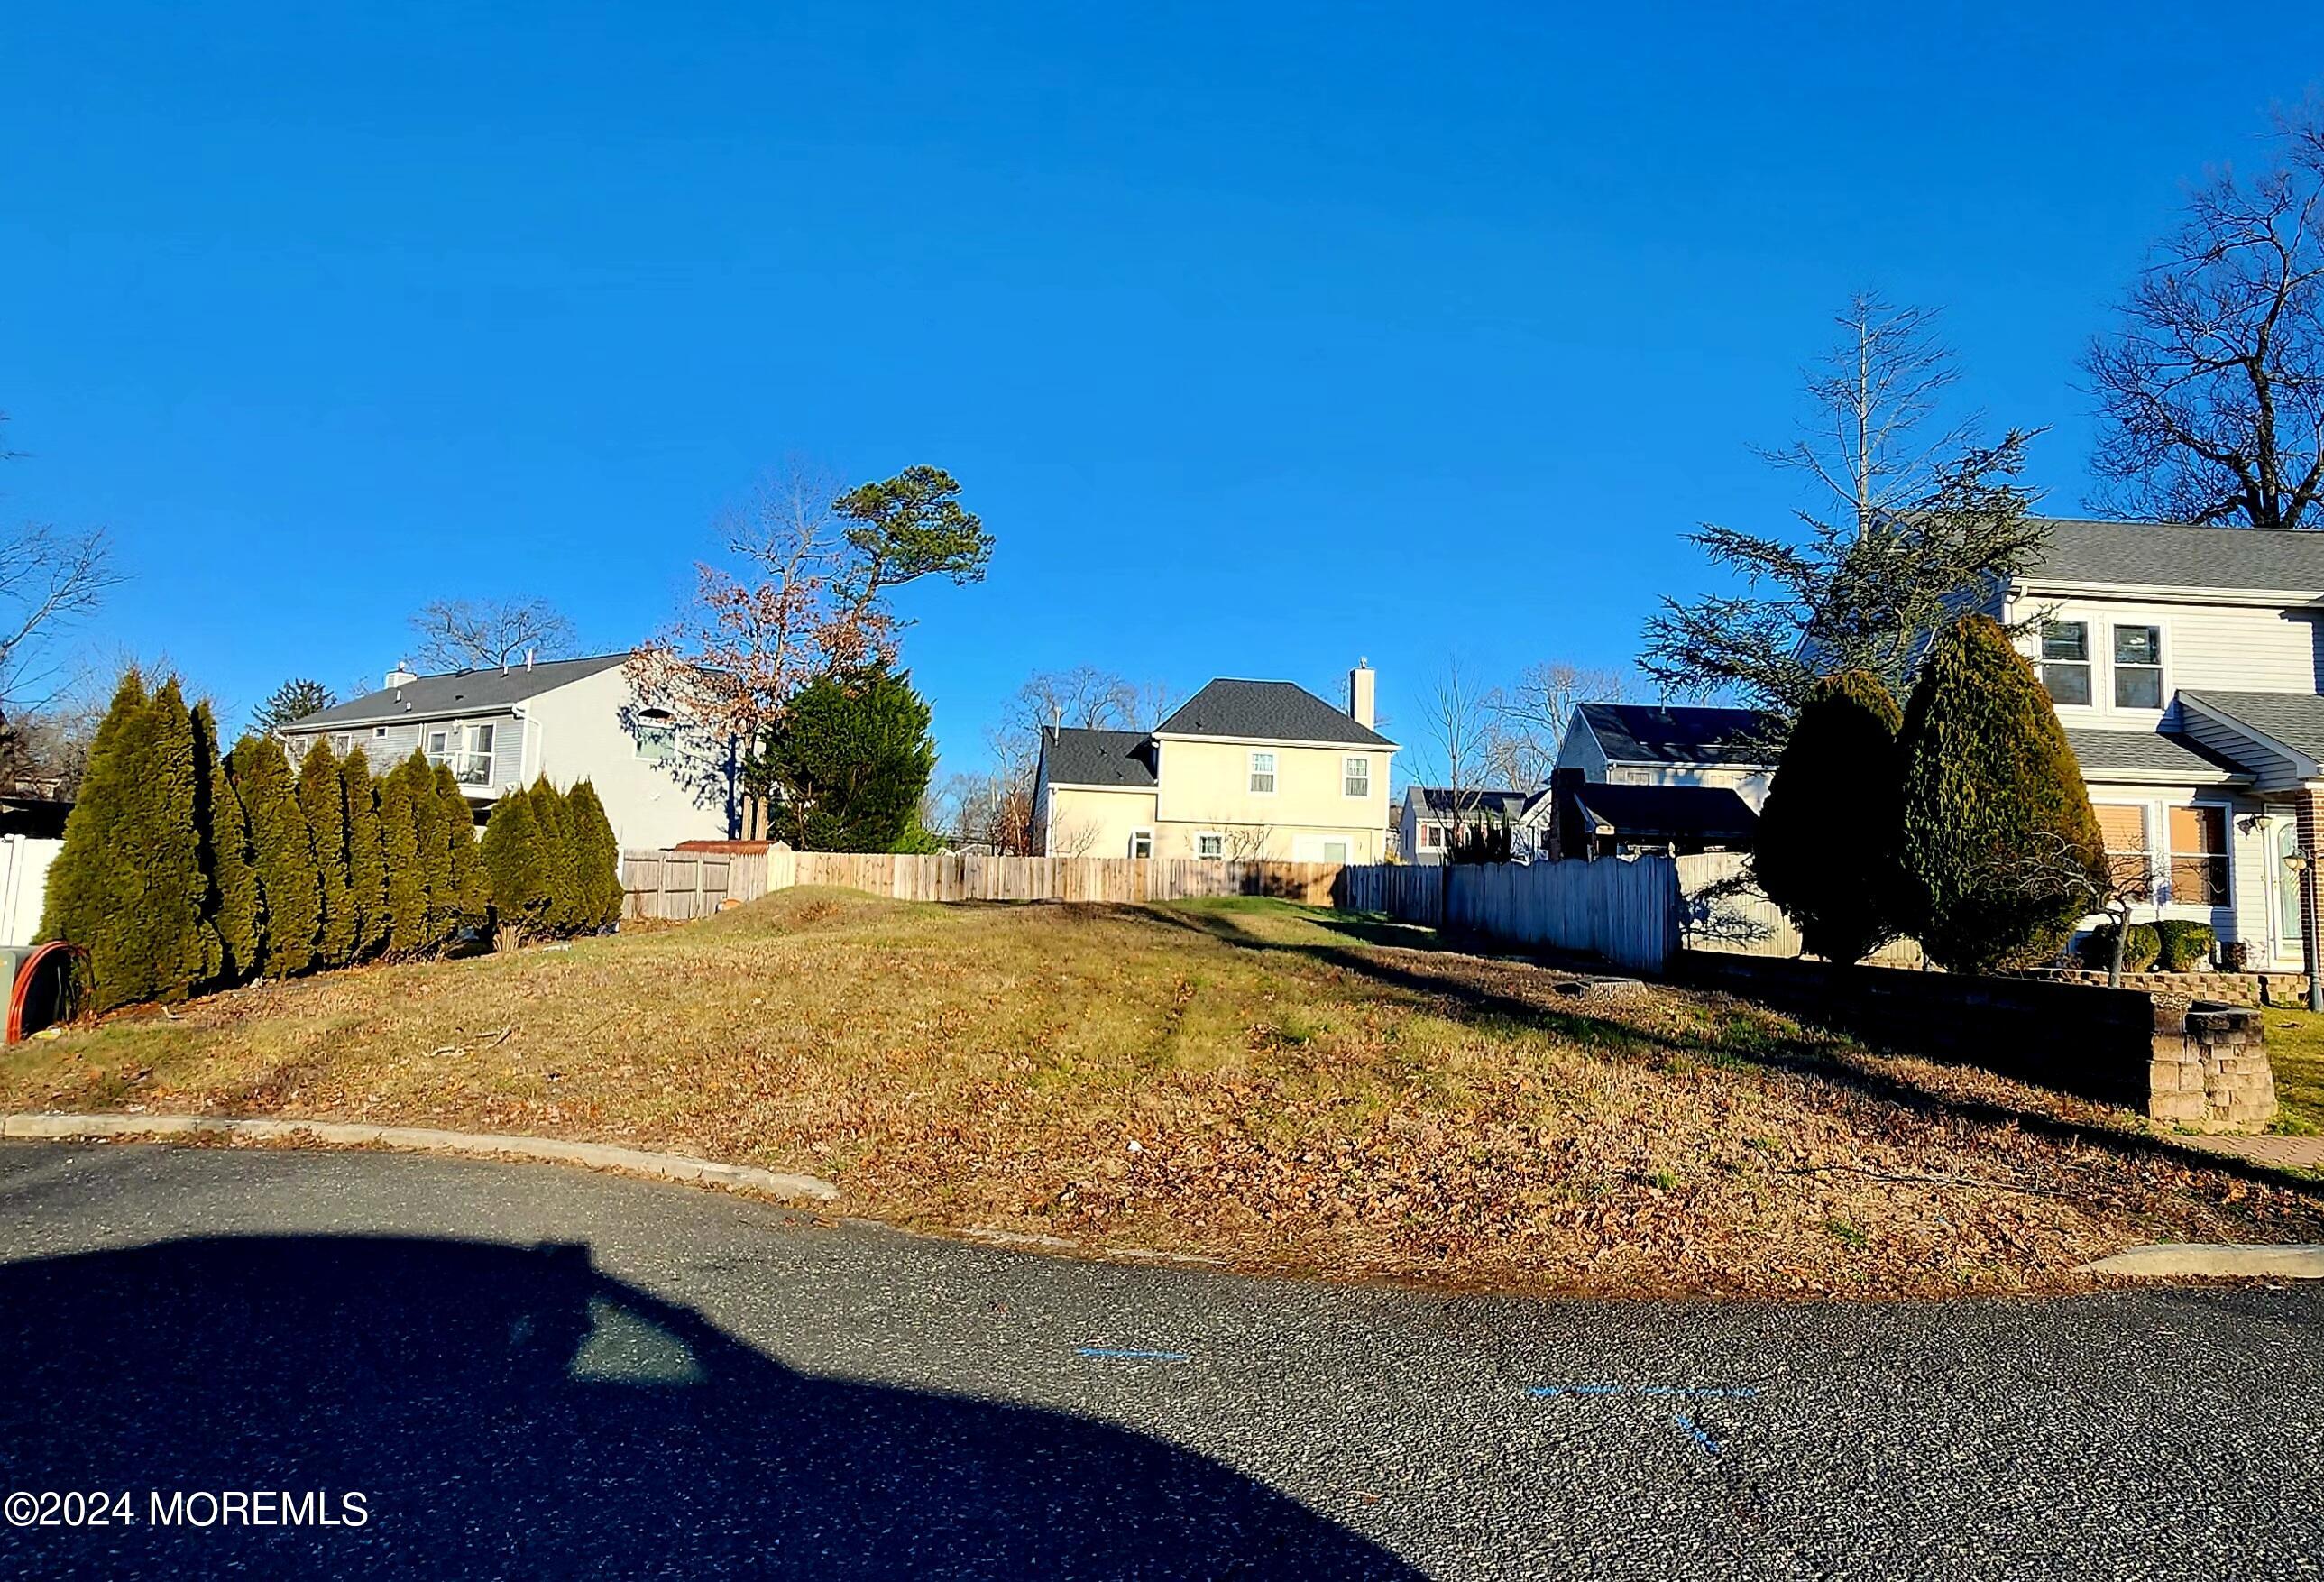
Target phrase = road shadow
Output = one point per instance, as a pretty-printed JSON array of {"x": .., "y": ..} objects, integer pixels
[
  {"x": 1761, "y": 1037},
  {"x": 513, "y": 1413}
]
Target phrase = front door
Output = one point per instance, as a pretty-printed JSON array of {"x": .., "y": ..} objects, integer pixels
[{"x": 2284, "y": 889}]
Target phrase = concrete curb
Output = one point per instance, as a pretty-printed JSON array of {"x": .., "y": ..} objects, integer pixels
[
  {"x": 2168, "y": 1261},
  {"x": 666, "y": 1166}
]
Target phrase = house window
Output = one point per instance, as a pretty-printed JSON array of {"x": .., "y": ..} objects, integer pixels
[
  {"x": 1142, "y": 843},
  {"x": 2066, "y": 661},
  {"x": 2199, "y": 856},
  {"x": 1210, "y": 846},
  {"x": 2128, "y": 855},
  {"x": 1356, "y": 776},
  {"x": 2138, "y": 667},
  {"x": 1335, "y": 851},
  {"x": 655, "y": 733},
  {"x": 1432, "y": 837},
  {"x": 466, "y": 749},
  {"x": 1262, "y": 774},
  {"x": 378, "y": 731}
]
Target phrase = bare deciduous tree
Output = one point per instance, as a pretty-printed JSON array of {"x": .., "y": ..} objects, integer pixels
[
  {"x": 1526, "y": 720},
  {"x": 1913, "y": 516},
  {"x": 481, "y": 634},
  {"x": 818, "y": 566},
  {"x": 50, "y": 579},
  {"x": 2212, "y": 392},
  {"x": 1455, "y": 721},
  {"x": 2055, "y": 869}
]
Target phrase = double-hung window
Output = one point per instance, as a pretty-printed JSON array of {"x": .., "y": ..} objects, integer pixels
[
  {"x": 2199, "y": 855},
  {"x": 2066, "y": 661},
  {"x": 1262, "y": 774},
  {"x": 1432, "y": 837},
  {"x": 466, "y": 749},
  {"x": 1210, "y": 846},
  {"x": 1142, "y": 843},
  {"x": 2128, "y": 855},
  {"x": 1356, "y": 776},
  {"x": 2138, "y": 667}
]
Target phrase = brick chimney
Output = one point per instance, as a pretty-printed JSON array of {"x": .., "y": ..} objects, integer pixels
[{"x": 1359, "y": 693}]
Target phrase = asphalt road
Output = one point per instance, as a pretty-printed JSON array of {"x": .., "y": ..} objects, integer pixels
[{"x": 527, "y": 1372}]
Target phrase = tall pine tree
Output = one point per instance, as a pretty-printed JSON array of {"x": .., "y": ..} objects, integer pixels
[
  {"x": 366, "y": 860},
  {"x": 322, "y": 797},
  {"x": 285, "y": 854}
]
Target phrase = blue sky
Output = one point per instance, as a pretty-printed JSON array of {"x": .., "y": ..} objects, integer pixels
[{"x": 1262, "y": 337}]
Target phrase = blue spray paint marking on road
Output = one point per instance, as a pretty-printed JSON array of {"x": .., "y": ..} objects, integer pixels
[
  {"x": 1146, "y": 1356},
  {"x": 1701, "y": 1438},
  {"x": 1698, "y": 1391}
]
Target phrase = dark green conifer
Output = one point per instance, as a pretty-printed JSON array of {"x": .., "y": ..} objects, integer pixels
[
  {"x": 234, "y": 921},
  {"x": 515, "y": 870},
  {"x": 322, "y": 797},
  {"x": 1990, "y": 790},
  {"x": 366, "y": 860},
  {"x": 1826, "y": 847},
  {"x": 599, "y": 858},
  {"x": 284, "y": 852},
  {"x": 406, "y": 930}
]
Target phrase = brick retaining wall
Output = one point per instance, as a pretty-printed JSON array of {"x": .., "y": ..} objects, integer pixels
[
  {"x": 2192, "y": 1062},
  {"x": 2240, "y": 988}
]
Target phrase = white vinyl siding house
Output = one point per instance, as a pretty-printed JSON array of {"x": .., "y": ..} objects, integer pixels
[
  {"x": 566, "y": 719},
  {"x": 2171, "y": 654}
]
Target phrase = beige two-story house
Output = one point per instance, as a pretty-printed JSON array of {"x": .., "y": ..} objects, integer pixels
[{"x": 1241, "y": 771}]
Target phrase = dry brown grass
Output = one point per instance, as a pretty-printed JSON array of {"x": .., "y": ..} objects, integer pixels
[{"x": 1248, "y": 1080}]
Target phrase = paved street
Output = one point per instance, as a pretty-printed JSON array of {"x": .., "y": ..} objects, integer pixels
[{"x": 533, "y": 1371}]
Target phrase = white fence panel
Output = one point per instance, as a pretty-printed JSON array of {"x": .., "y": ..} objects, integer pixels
[{"x": 24, "y": 862}]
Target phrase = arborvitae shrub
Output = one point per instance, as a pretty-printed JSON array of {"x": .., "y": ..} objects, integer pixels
[
  {"x": 1826, "y": 847},
  {"x": 597, "y": 857},
  {"x": 322, "y": 797},
  {"x": 560, "y": 864},
  {"x": 471, "y": 902},
  {"x": 406, "y": 931},
  {"x": 284, "y": 852},
  {"x": 1989, "y": 785},
  {"x": 235, "y": 921},
  {"x": 516, "y": 869},
  {"x": 366, "y": 860},
  {"x": 435, "y": 856},
  {"x": 128, "y": 885}
]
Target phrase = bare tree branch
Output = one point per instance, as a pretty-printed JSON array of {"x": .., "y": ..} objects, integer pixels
[{"x": 481, "y": 634}]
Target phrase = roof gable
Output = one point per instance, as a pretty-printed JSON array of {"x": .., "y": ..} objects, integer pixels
[
  {"x": 459, "y": 692},
  {"x": 1266, "y": 711}
]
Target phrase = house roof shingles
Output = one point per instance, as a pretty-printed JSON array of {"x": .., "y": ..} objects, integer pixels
[
  {"x": 2150, "y": 554},
  {"x": 1501, "y": 804},
  {"x": 1668, "y": 812},
  {"x": 2147, "y": 753},
  {"x": 2294, "y": 718},
  {"x": 1650, "y": 732},
  {"x": 1073, "y": 755},
  {"x": 1266, "y": 711},
  {"x": 487, "y": 691}
]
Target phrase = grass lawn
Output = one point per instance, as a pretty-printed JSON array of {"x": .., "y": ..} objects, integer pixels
[
  {"x": 2295, "y": 1049},
  {"x": 1282, "y": 1087}
]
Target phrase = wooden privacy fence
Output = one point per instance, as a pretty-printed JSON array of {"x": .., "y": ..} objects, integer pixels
[
  {"x": 1724, "y": 912},
  {"x": 680, "y": 884},
  {"x": 1624, "y": 909},
  {"x": 1627, "y": 909}
]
